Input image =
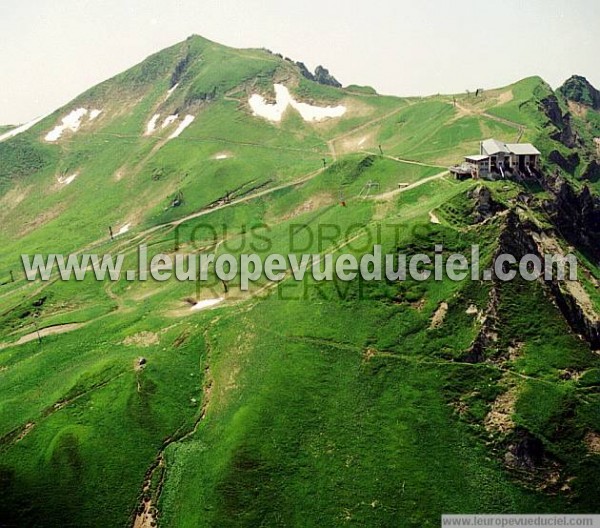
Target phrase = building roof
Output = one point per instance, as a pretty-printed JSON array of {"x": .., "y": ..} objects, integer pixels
[
  {"x": 478, "y": 157},
  {"x": 493, "y": 146},
  {"x": 523, "y": 149}
]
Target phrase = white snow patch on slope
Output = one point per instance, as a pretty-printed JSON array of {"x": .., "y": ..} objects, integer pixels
[
  {"x": 187, "y": 121},
  {"x": 123, "y": 230},
  {"x": 65, "y": 180},
  {"x": 221, "y": 156},
  {"x": 207, "y": 303},
  {"x": 283, "y": 99},
  {"x": 71, "y": 122},
  {"x": 94, "y": 114},
  {"x": 20, "y": 129},
  {"x": 272, "y": 112},
  {"x": 317, "y": 113},
  {"x": 171, "y": 90},
  {"x": 151, "y": 126},
  {"x": 169, "y": 120}
]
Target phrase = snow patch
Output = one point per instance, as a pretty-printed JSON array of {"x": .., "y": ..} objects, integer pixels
[
  {"x": 169, "y": 120},
  {"x": 171, "y": 90},
  {"x": 283, "y": 100},
  {"x": 66, "y": 180},
  {"x": 94, "y": 114},
  {"x": 207, "y": 303},
  {"x": 317, "y": 113},
  {"x": 71, "y": 122},
  {"x": 20, "y": 129},
  {"x": 123, "y": 230},
  {"x": 222, "y": 156},
  {"x": 151, "y": 126},
  {"x": 272, "y": 112},
  {"x": 187, "y": 121}
]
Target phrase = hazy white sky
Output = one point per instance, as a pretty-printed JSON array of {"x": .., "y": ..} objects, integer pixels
[{"x": 53, "y": 50}]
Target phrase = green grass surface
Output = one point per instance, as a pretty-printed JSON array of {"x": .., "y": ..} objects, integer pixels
[{"x": 305, "y": 404}]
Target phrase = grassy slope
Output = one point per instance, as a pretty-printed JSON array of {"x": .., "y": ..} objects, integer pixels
[{"x": 324, "y": 411}]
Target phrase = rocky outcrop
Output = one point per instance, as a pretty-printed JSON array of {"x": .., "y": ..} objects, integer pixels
[
  {"x": 526, "y": 452},
  {"x": 578, "y": 317},
  {"x": 592, "y": 172},
  {"x": 568, "y": 164},
  {"x": 321, "y": 75},
  {"x": 564, "y": 133},
  {"x": 485, "y": 344},
  {"x": 180, "y": 70},
  {"x": 577, "y": 217},
  {"x": 305, "y": 71},
  {"x": 522, "y": 238},
  {"x": 485, "y": 205},
  {"x": 580, "y": 90},
  {"x": 551, "y": 107}
]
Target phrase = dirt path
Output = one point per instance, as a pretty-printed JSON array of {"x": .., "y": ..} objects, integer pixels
[
  {"x": 471, "y": 111},
  {"x": 331, "y": 143},
  {"x": 43, "y": 332},
  {"x": 410, "y": 162},
  {"x": 391, "y": 194}
]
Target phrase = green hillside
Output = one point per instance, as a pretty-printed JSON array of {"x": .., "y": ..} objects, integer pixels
[{"x": 304, "y": 403}]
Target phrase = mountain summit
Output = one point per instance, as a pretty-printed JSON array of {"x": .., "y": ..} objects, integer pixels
[{"x": 580, "y": 90}]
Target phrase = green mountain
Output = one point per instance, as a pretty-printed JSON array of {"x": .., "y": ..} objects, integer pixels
[
  {"x": 580, "y": 90},
  {"x": 305, "y": 403}
]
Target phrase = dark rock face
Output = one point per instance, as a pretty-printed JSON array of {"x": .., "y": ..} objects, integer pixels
[
  {"x": 568, "y": 164},
  {"x": 576, "y": 317},
  {"x": 528, "y": 450},
  {"x": 564, "y": 133},
  {"x": 305, "y": 71},
  {"x": 551, "y": 108},
  {"x": 485, "y": 206},
  {"x": 321, "y": 75},
  {"x": 180, "y": 70},
  {"x": 517, "y": 240},
  {"x": 580, "y": 90},
  {"x": 577, "y": 216},
  {"x": 485, "y": 344},
  {"x": 592, "y": 172}
]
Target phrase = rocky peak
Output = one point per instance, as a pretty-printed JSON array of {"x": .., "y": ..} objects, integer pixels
[
  {"x": 321, "y": 75},
  {"x": 580, "y": 90}
]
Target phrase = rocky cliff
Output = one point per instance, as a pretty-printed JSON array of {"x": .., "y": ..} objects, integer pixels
[
  {"x": 520, "y": 238},
  {"x": 576, "y": 215}
]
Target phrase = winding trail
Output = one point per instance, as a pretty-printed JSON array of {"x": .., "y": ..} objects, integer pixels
[
  {"x": 43, "y": 332},
  {"x": 331, "y": 143},
  {"x": 507, "y": 122},
  {"x": 391, "y": 194}
]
